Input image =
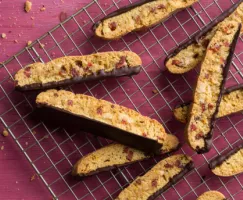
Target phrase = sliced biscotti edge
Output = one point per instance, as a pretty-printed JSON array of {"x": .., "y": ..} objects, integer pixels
[
  {"x": 211, "y": 195},
  {"x": 158, "y": 179},
  {"x": 228, "y": 164},
  {"x": 115, "y": 155},
  {"x": 111, "y": 117},
  {"x": 189, "y": 54},
  {"x": 74, "y": 69},
  {"x": 209, "y": 87},
  {"x": 231, "y": 102},
  {"x": 137, "y": 16}
]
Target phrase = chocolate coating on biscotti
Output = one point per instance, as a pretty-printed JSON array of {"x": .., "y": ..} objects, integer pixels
[
  {"x": 221, "y": 158},
  {"x": 203, "y": 32},
  {"x": 101, "y": 129},
  {"x": 125, "y": 71},
  {"x": 174, "y": 180}
]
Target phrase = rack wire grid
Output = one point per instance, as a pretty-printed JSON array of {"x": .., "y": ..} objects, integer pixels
[{"x": 52, "y": 151}]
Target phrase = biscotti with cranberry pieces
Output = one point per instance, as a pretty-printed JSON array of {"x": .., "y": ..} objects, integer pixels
[
  {"x": 231, "y": 103},
  {"x": 76, "y": 69},
  {"x": 162, "y": 176},
  {"x": 112, "y": 121},
  {"x": 191, "y": 53},
  {"x": 209, "y": 86},
  {"x": 115, "y": 155},
  {"x": 228, "y": 164},
  {"x": 137, "y": 16},
  {"x": 211, "y": 195}
]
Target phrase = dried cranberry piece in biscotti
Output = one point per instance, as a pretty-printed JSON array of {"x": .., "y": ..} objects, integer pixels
[
  {"x": 122, "y": 62},
  {"x": 27, "y": 72},
  {"x": 113, "y": 26}
]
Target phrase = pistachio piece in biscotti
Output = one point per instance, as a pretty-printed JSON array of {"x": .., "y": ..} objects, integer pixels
[
  {"x": 112, "y": 121},
  {"x": 209, "y": 87},
  {"x": 191, "y": 53},
  {"x": 115, "y": 155},
  {"x": 163, "y": 175},
  {"x": 137, "y": 16},
  {"x": 231, "y": 102},
  {"x": 228, "y": 164},
  {"x": 211, "y": 195},
  {"x": 75, "y": 69}
]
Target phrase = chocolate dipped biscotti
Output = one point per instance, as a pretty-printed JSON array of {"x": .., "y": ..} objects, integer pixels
[
  {"x": 112, "y": 121},
  {"x": 137, "y": 16},
  {"x": 228, "y": 164},
  {"x": 231, "y": 102},
  {"x": 209, "y": 86},
  {"x": 163, "y": 175},
  {"x": 211, "y": 195},
  {"x": 75, "y": 69},
  {"x": 191, "y": 53},
  {"x": 115, "y": 155}
]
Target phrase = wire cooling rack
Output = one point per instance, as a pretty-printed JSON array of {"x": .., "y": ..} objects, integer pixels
[{"x": 52, "y": 151}]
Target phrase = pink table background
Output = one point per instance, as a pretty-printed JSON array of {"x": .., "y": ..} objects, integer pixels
[{"x": 15, "y": 171}]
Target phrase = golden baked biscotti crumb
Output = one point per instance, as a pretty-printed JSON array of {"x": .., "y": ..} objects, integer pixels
[
  {"x": 103, "y": 111},
  {"x": 192, "y": 55},
  {"x": 209, "y": 86},
  {"x": 75, "y": 69},
  {"x": 115, "y": 155},
  {"x": 228, "y": 164},
  {"x": 231, "y": 102},
  {"x": 140, "y": 16},
  {"x": 158, "y": 179},
  {"x": 211, "y": 195}
]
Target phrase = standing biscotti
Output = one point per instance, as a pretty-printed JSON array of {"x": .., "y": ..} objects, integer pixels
[
  {"x": 112, "y": 121},
  {"x": 76, "y": 69},
  {"x": 211, "y": 195},
  {"x": 137, "y": 16},
  {"x": 231, "y": 102},
  {"x": 228, "y": 164},
  {"x": 189, "y": 54},
  {"x": 158, "y": 179},
  {"x": 115, "y": 155},
  {"x": 209, "y": 86}
]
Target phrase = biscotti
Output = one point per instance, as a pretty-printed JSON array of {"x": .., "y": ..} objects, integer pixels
[
  {"x": 231, "y": 102},
  {"x": 209, "y": 86},
  {"x": 211, "y": 195},
  {"x": 76, "y": 69},
  {"x": 189, "y": 54},
  {"x": 115, "y": 155},
  {"x": 228, "y": 164},
  {"x": 137, "y": 16},
  {"x": 112, "y": 121},
  {"x": 158, "y": 179}
]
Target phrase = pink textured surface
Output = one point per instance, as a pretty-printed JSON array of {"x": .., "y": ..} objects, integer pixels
[{"x": 53, "y": 150}]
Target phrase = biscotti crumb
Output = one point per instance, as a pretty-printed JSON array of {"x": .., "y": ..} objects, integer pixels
[
  {"x": 4, "y": 35},
  {"x": 2, "y": 148},
  {"x": 32, "y": 177},
  {"x": 5, "y": 133},
  {"x": 62, "y": 16},
  {"x": 28, "y": 6},
  {"x": 155, "y": 91},
  {"x": 42, "y": 8},
  {"x": 29, "y": 43},
  {"x": 16, "y": 41},
  {"x": 42, "y": 46},
  {"x": 32, "y": 18}
]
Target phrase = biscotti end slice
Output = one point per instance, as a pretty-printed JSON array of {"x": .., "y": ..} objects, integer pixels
[
  {"x": 75, "y": 69},
  {"x": 209, "y": 86},
  {"x": 190, "y": 54},
  {"x": 158, "y": 179},
  {"x": 228, "y": 164},
  {"x": 231, "y": 102},
  {"x": 137, "y": 16},
  {"x": 212, "y": 195},
  {"x": 113, "y": 121},
  {"x": 115, "y": 155}
]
